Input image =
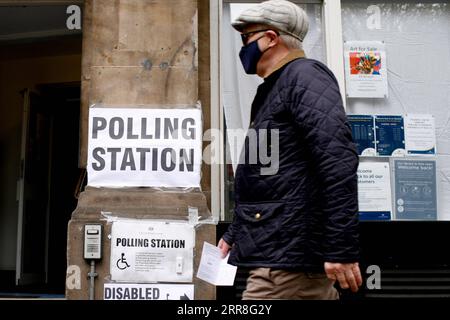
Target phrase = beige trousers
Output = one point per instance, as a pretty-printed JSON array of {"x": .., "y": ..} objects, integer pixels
[{"x": 271, "y": 284}]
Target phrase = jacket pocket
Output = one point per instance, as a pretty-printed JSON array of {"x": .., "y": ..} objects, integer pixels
[
  {"x": 259, "y": 230},
  {"x": 258, "y": 212}
]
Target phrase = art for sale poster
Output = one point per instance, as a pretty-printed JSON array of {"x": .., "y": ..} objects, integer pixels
[{"x": 365, "y": 69}]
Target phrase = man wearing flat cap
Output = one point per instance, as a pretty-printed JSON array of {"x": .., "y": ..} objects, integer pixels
[{"x": 296, "y": 229}]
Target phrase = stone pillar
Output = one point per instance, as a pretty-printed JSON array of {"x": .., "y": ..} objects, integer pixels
[{"x": 137, "y": 53}]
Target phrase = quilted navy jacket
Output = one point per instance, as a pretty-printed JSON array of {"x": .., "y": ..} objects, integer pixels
[{"x": 307, "y": 212}]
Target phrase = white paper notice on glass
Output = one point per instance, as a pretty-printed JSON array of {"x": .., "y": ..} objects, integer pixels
[
  {"x": 365, "y": 69},
  {"x": 420, "y": 136},
  {"x": 215, "y": 269},
  {"x": 374, "y": 191}
]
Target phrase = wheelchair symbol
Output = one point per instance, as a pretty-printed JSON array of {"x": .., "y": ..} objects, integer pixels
[{"x": 122, "y": 263}]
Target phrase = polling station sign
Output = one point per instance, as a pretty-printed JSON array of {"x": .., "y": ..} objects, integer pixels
[
  {"x": 154, "y": 291},
  {"x": 152, "y": 251},
  {"x": 142, "y": 147}
]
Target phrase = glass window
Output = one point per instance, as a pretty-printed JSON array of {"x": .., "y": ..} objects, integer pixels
[
  {"x": 417, "y": 41},
  {"x": 238, "y": 88}
]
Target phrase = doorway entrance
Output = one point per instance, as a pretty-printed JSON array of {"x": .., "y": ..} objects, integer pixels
[
  {"x": 50, "y": 177},
  {"x": 47, "y": 188},
  {"x": 40, "y": 72}
]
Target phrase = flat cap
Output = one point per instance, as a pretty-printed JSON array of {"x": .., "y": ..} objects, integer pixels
[{"x": 282, "y": 15}]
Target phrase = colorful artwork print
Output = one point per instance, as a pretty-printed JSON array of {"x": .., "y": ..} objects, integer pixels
[{"x": 365, "y": 63}]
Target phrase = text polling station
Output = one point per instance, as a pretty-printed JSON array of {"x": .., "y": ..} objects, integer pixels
[{"x": 144, "y": 147}]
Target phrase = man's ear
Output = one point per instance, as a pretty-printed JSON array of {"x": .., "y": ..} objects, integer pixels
[{"x": 274, "y": 38}]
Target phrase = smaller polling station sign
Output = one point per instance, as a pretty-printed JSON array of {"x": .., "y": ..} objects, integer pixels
[
  {"x": 151, "y": 251},
  {"x": 143, "y": 147}
]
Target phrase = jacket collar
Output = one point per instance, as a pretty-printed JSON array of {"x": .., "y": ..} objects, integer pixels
[{"x": 291, "y": 56}]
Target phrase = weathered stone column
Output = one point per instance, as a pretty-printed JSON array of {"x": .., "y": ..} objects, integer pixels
[{"x": 136, "y": 53}]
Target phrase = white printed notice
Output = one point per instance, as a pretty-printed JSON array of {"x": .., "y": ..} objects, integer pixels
[
  {"x": 215, "y": 269},
  {"x": 365, "y": 69},
  {"x": 142, "y": 291},
  {"x": 152, "y": 251},
  {"x": 374, "y": 191},
  {"x": 420, "y": 134},
  {"x": 141, "y": 147}
]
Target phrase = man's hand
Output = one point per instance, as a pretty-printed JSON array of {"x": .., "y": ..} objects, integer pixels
[
  {"x": 224, "y": 247},
  {"x": 348, "y": 274}
]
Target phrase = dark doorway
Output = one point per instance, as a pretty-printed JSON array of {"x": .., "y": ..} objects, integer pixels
[
  {"x": 50, "y": 175},
  {"x": 40, "y": 72},
  {"x": 64, "y": 106}
]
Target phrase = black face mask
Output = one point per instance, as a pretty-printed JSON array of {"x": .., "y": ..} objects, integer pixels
[{"x": 250, "y": 55}]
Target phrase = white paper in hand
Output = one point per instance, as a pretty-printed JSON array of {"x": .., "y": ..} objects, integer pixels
[{"x": 214, "y": 269}]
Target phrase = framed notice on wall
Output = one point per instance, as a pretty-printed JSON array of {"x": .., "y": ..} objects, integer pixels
[
  {"x": 390, "y": 136},
  {"x": 374, "y": 191},
  {"x": 415, "y": 190},
  {"x": 363, "y": 133},
  {"x": 420, "y": 135},
  {"x": 365, "y": 69}
]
